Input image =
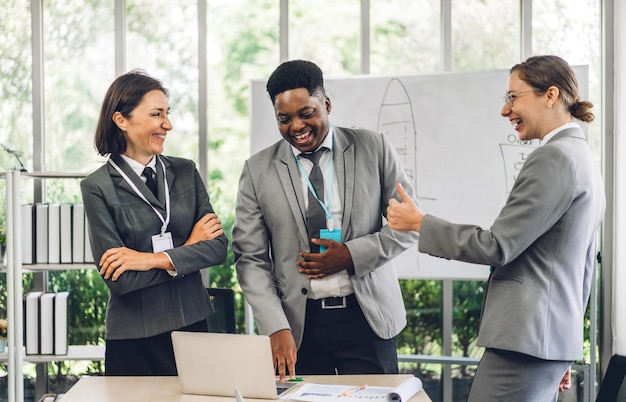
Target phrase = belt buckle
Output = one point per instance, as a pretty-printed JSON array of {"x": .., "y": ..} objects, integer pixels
[{"x": 342, "y": 305}]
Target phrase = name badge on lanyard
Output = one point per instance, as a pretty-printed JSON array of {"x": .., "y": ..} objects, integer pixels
[{"x": 163, "y": 240}]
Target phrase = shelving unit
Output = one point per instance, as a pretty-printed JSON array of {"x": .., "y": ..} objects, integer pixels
[
  {"x": 54, "y": 267},
  {"x": 75, "y": 352},
  {"x": 15, "y": 356}
]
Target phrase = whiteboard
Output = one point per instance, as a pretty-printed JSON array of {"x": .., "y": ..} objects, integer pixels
[{"x": 461, "y": 155}]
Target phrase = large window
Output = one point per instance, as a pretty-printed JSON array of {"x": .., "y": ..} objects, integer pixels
[
  {"x": 404, "y": 42},
  {"x": 242, "y": 45},
  {"x": 162, "y": 39},
  {"x": 572, "y": 31},
  {"x": 78, "y": 64},
  {"x": 326, "y": 33},
  {"x": 485, "y": 34},
  {"x": 15, "y": 83}
]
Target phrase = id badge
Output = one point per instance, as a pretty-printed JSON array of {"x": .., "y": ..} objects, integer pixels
[
  {"x": 329, "y": 234},
  {"x": 162, "y": 243}
]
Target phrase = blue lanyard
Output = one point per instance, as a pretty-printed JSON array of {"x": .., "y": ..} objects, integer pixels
[{"x": 329, "y": 185}]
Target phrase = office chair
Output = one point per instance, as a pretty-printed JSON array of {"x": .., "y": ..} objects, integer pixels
[
  {"x": 613, "y": 386},
  {"x": 223, "y": 320}
]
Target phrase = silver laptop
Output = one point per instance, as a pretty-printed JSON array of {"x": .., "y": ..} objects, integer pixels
[{"x": 217, "y": 364}]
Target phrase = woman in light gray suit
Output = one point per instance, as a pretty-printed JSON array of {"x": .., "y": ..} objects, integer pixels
[
  {"x": 542, "y": 246},
  {"x": 152, "y": 230}
]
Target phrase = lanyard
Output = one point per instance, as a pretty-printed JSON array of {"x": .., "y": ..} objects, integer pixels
[
  {"x": 329, "y": 186},
  {"x": 165, "y": 221}
]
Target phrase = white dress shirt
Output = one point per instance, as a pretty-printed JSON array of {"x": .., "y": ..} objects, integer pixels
[{"x": 338, "y": 284}]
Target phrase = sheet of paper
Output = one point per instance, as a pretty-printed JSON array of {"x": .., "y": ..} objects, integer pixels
[{"x": 312, "y": 392}]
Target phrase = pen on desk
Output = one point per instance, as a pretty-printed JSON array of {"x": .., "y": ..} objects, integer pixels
[
  {"x": 238, "y": 396},
  {"x": 351, "y": 390}
]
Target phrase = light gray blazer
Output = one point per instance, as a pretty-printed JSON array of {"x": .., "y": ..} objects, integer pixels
[
  {"x": 143, "y": 304},
  {"x": 543, "y": 248},
  {"x": 270, "y": 231}
]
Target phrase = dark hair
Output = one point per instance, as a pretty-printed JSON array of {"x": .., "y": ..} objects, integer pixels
[
  {"x": 296, "y": 74},
  {"x": 542, "y": 72},
  {"x": 123, "y": 96}
]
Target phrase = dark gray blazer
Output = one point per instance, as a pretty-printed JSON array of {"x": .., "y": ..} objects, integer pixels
[
  {"x": 543, "y": 248},
  {"x": 270, "y": 232},
  {"x": 143, "y": 304}
]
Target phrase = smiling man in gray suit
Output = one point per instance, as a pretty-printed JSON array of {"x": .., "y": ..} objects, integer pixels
[
  {"x": 542, "y": 246},
  {"x": 339, "y": 310}
]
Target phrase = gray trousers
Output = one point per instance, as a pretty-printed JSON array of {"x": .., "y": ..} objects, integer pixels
[{"x": 505, "y": 376}]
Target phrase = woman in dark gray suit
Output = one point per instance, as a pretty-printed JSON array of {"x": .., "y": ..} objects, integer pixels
[
  {"x": 542, "y": 246},
  {"x": 152, "y": 230}
]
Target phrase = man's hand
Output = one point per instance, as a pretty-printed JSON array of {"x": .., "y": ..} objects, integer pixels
[
  {"x": 284, "y": 353},
  {"x": 334, "y": 259},
  {"x": 404, "y": 216}
]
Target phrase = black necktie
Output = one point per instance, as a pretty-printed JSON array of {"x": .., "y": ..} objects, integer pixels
[
  {"x": 149, "y": 174},
  {"x": 316, "y": 217}
]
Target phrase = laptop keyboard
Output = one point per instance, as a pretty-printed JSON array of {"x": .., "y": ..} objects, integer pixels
[{"x": 283, "y": 386}]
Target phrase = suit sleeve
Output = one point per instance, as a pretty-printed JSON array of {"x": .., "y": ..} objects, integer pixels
[
  {"x": 251, "y": 239},
  {"x": 203, "y": 254},
  {"x": 372, "y": 250},
  {"x": 541, "y": 195}
]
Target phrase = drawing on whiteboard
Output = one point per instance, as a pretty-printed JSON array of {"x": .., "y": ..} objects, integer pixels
[
  {"x": 514, "y": 154},
  {"x": 396, "y": 121}
]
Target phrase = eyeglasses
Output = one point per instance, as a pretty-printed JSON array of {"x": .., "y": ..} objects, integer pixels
[{"x": 509, "y": 97}]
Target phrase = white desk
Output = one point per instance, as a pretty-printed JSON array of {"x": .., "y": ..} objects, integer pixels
[{"x": 167, "y": 389}]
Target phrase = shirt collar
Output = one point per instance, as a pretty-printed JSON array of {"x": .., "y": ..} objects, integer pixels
[
  {"x": 138, "y": 167},
  {"x": 552, "y": 133}
]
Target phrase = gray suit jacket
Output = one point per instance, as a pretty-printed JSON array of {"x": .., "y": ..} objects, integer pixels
[
  {"x": 270, "y": 231},
  {"x": 143, "y": 304},
  {"x": 543, "y": 248}
]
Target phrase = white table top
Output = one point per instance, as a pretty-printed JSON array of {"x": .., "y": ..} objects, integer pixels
[{"x": 167, "y": 389}]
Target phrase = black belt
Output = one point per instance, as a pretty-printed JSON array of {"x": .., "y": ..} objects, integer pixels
[{"x": 330, "y": 303}]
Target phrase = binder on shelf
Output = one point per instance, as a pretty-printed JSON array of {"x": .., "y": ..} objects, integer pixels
[
  {"x": 41, "y": 233},
  {"x": 31, "y": 322},
  {"x": 27, "y": 233},
  {"x": 78, "y": 233},
  {"x": 60, "y": 323},
  {"x": 65, "y": 225},
  {"x": 54, "y": 233},
  {"x": 46, "y": 323}
]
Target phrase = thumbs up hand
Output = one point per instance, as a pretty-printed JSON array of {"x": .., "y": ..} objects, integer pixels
[{"x": 405, "y": 215}]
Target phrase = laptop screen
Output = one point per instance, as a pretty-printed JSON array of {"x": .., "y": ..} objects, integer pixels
[{"x": 217, "y": 364}]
